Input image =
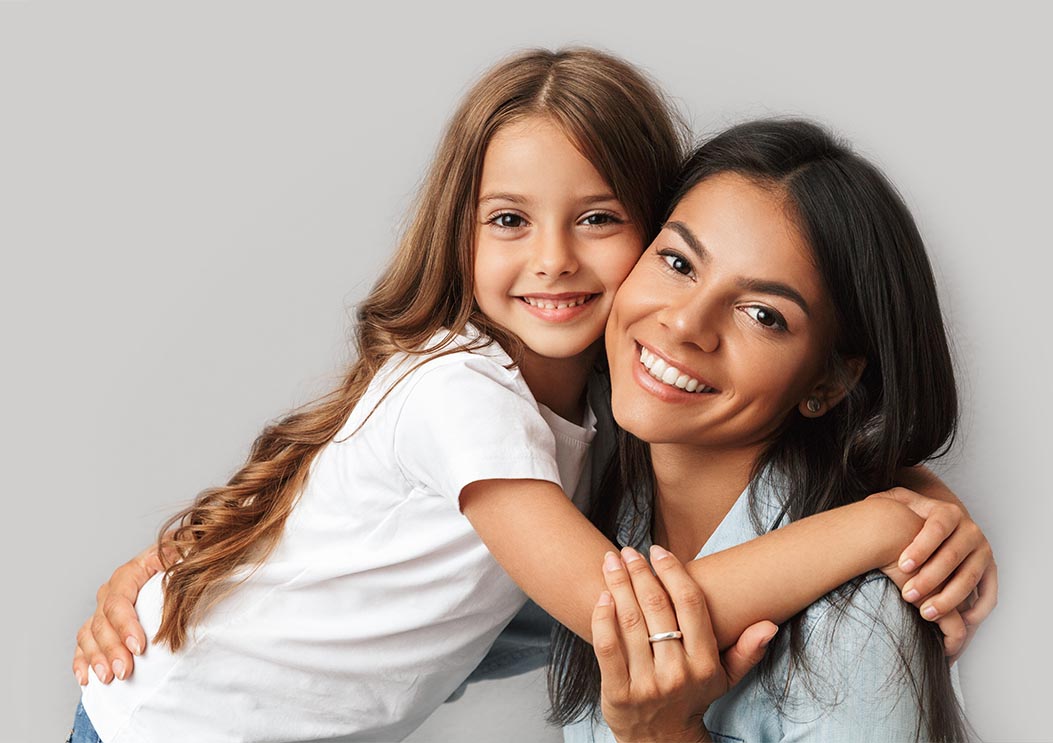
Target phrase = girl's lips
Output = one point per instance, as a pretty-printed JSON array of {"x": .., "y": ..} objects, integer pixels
[{"x": 557, "y": 307}]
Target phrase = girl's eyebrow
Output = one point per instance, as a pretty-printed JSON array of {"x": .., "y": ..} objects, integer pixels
[
  {"x": 519, "y": 199},
  {"x": 504, "y": 196},
  {"x": 774, "y": 288}
]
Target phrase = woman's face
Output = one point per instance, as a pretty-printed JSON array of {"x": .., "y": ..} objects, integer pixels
[{"x": 724, "y": 326}]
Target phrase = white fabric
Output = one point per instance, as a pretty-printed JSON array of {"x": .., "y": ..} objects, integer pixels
[{"x": 380, "y": 598}]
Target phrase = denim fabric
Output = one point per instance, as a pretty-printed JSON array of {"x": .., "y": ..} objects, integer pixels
[
  {"x": 82, "y": 731},
  {"x": 855, "y": 689}
]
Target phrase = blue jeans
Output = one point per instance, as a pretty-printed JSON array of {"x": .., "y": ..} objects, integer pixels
[{"x": 82, "y": 731}]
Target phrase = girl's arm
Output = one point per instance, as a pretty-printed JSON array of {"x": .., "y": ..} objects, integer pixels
[
  {"x": 937, "y": 549},
  {"x": 553, "y": 552},
  {"x": 541, "y": 539}
]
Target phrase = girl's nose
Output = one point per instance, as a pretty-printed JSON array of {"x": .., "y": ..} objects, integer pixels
[
  {"x": 692, "y": 320},
  {"x": 555, "y": 256}
]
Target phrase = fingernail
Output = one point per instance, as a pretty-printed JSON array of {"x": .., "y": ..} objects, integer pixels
[
  {"x": 100, "y": 671},
  {"x": 907, "y": 566},
  {"x": 770, "y": 638},
  {"x": 611, "y": 562},
  {"x": 605, "y": 599},
  {"x": 80, "y": 677},
  {"x": 118, "y": 669},
  {"x": 630, "y": 555},
  {"x": 929, "y": 612},
  {"x": 133, "y": 645},
  {"x": 658, "y": 553},
  {"x": 912, "y": 595}
]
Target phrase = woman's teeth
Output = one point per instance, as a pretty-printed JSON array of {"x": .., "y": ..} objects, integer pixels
[
  {"x": 670, "y": 375},
  {"x": 546, "y": 304}
]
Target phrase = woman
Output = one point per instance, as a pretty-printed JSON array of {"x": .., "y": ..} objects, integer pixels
[{"x": 791, "y": 281}]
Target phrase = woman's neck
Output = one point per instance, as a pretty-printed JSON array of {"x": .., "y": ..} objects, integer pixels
[
  {"x": 694, "y": 490},
  {"x": 559, "y": 384}
]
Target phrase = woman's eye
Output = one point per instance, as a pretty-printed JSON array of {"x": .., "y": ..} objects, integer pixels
[
  {"x": 508, "y": 220},
  {"x": 767, "y": 317},
  {"x": 677, "y": 262}
]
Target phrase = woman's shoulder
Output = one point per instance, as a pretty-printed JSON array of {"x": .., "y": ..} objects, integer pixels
[{"x": 864, "y": 610}]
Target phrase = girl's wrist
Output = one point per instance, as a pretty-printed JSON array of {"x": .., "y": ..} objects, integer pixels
[{"x": 893, "y": 526}]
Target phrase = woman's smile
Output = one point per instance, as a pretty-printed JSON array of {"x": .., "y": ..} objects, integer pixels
[{"x": 673, "y": 373}]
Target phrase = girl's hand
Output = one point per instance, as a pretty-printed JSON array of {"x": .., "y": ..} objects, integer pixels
[
  {"x": 659, "y": 691},
  {"x": 957, "y": 583},
  {"x": 109, "y": 639}
]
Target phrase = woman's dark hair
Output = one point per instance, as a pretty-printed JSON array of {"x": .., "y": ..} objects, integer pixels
[{"x": 902, "y": 411}]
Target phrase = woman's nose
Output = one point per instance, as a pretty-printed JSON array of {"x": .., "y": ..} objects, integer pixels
[
  {"x": 692, "y": 320},
  {"x": 555, "y": 255}
]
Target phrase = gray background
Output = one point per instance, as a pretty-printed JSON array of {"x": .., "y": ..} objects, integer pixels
[{"x": 193, "y": 194}]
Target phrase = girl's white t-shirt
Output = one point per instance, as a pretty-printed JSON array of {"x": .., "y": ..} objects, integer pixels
[{"x": 379, "y": 599}]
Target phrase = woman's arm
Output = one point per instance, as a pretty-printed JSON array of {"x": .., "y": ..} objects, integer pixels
[
  {"x": 110, "y": 638},
  {"x": 554, "y": 553}
]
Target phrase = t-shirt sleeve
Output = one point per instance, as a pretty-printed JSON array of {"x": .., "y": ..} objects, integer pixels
[{"x": 467, "y": 419}]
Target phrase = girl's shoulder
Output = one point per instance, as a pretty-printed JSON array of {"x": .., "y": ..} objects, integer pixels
[
  {"x": 448, "y": 348},
  {"x": 468, "y": 356}
]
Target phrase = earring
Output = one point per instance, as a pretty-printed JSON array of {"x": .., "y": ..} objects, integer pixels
[{"x": 813, "y": 405}]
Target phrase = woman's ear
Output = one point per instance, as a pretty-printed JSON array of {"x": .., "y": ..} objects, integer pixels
[{"x": 833, "y": 387}]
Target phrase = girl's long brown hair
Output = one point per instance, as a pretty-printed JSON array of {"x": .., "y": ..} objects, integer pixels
[{"x": 616, "y": 118}]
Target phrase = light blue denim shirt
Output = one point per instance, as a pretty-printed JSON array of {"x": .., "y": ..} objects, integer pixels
[{"x": 855, "y": 689}]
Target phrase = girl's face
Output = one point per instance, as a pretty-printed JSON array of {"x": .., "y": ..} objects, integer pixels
[
  {"x": 724, "y": 326},
  {"x": 552, "y": 243}
]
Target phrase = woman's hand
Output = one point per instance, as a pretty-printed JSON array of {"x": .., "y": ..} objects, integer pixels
[
  {"x": 948, "y": 571},
  {"x": 109, "y": 639},
  {"x": 660, "y": 690}
]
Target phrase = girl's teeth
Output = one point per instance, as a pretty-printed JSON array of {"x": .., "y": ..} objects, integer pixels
[
  {"x": 670, "y": 375},
  {"x": 547, "y": 305}
]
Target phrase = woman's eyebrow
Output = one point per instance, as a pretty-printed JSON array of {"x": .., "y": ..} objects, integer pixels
[
  {"x": 775, "y": 288},
  {"x": 689, "y": 237}
]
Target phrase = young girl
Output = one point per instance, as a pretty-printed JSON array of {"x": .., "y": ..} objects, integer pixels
[
  {"x": 333, "y": 586},
  {"x": 790, "y": 276}
]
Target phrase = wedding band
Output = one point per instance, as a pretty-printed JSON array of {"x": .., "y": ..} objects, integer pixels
[{"x": 660, "y": 636}]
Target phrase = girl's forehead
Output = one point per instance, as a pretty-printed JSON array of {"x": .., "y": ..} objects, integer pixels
[{"x": 535, "y": 154}]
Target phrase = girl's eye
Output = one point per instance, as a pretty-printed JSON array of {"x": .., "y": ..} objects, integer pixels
[
  {"x": 676, "y": 262},
  {"x": 600, "y": 218},
  {"x": 507, "y": 220},
  {"x": 766, "y": 316}
]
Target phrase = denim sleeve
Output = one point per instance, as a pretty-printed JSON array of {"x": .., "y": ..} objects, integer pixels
[
  {"x": 857, "y": 688},
  {"x": 522, "y": 646}
]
